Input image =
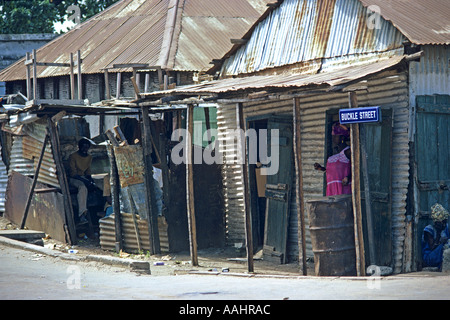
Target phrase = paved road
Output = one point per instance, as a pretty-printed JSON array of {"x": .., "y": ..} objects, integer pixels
[{"x": 27, "y": 275}]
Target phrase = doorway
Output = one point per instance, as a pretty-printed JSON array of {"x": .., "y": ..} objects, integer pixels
[
  {"x": 432, "y": 155},
  {"x": 271, "y": 194},
  {"x": 378, "y": 144}
]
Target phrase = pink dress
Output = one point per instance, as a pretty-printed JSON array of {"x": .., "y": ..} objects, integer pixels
[{"x": 338, "y": 167}]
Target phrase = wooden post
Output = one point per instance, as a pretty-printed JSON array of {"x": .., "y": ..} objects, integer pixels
[
  {"x": 80, "y": 76},
  {"x": 356, "y": 191},
  {"x": 369, "y": 217},
  {"x": 299, "y": 191},
  {"x": 118, "y": 84},
  {"x": 107, "y": 89},
  {"x": 115, "y": 192},
  {"x": 33, "y": 185},
  {"x": 72, "y": 78},
  {"x": 147, "y": 83},
  {"x": 164, "y": 168},
  {"x": 148, "y": 177},
  {"x": 208, "y": 125},
  {"x": 62, "y": 178},
  {"x": 190, "y": 185},
  {"x": 34, "y": 75},
  {"x": 133, "y": 215},
  {"x": 244, "y": 158},
  {"x": 28, "y": 77}
]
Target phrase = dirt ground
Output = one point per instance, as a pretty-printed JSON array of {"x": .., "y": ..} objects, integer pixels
[{"x": 214, "y": 260}]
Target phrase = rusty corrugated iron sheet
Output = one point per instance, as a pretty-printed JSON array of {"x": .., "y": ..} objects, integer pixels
[
  {"x": 421, "y": 21},
  {"x": 108, "y": 233},
  {"x": 139, "y": 31},
  {"x": 306, "y": 30},
  {"x": 279, "y": 82},
  {"x": 25, "y": 152}
]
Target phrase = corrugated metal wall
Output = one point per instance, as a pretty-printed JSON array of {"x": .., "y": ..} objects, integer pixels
[
  {"x": 232, "y": 176},
  {"x": 3, "y": 182},
  {"x": 388, "y": 90},
  {"x": 431, "y": 75},
  {"x": 25, "y": 154}
]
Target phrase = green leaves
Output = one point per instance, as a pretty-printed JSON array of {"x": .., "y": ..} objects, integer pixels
[{"x": 39, "y": 16}]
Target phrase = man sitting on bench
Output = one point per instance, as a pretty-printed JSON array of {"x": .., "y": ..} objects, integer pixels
[{"x": 80, "y": 176}]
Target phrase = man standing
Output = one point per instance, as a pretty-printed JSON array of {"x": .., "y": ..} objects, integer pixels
[{"x": 80, "y": 175}]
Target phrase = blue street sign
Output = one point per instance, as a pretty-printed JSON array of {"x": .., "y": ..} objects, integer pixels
[{"x": 360, "y": 115}]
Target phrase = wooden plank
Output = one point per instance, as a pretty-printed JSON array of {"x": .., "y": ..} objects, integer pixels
[
  {"x": 72, "y": 78},
  {"x": 34, "y": 75},
  {"x": 190, "y": 186},
  {"x": 133, "y": 215},
  {"x": 62, "y": 178},
  {"x": 115, "y": 195},
  {"x": 248, "y": 218},
  {"x": 118, "y": 85},
  {"x": 148, "y": 180},
  {"x": 356, "y": 190},
  {"x": 368, "y": 202},
  {"x": 28, "y": 77},
  {"x": 33, "y": 185},
  {"x": 130, "y": 165},
  {"x": 80, "y": 76},
  {"x": 299, "y": 191},
  {"x": 107, "y": 88}
]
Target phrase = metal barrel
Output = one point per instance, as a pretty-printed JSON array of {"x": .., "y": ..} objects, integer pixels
[{"x": 332, "y": 235}]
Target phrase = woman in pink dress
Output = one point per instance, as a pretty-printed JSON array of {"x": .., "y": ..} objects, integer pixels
[{"x": 338, "y": 167}]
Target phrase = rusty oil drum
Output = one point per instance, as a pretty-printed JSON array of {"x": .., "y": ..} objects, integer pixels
[{"x": 332, "y": 235}]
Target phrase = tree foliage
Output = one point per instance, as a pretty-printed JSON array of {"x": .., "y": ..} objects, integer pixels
[{"x": 39, "y": 16}]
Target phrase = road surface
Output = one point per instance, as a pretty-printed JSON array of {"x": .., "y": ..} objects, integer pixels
[{"x": 27, "y": 275}]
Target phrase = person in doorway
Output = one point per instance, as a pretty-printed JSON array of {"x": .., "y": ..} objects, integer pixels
[
  {"x": 338, "y": 169},
  {"x": 80, "y": 176},
  {"x": 435, "y": 238}
]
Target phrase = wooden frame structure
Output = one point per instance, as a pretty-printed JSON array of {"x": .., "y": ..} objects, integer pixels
[{"x": 32, "y": 63}]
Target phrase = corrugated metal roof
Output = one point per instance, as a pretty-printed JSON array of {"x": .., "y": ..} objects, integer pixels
[
  {"x": 294, "y": 81},
  {"x": 138, "y": 31},
  {"x": 308, "y": 30},
  {"x": 421, "y": 21}
]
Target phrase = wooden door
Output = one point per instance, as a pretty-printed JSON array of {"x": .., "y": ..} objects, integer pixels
[
  {"x": 278, "y": 190},
  {"x": 432, "y": 158},
  {"x": 378, "y": 140}
]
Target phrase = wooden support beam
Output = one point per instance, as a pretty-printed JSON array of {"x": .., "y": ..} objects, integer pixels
[
  {"x": 137, "y": 94},
  {"x": 368, "y": 202},
  {"x": 190, "y": 185},
  {"x": 153, "y": 231},
  {"x": 107, "y": 89},
  {"x": 118, "y": 85},
  {"x": 33, "y": 185},
  {"x": 238, "y": 41},
  {"x": 356, "y": 190},
  {"x": 248, "y": 218},
  {"x": 147, "y": 83},
  {"x": 69, "y": 226},
  {"x": 28, "y": 78},
  {"x": 34, "y": 75},
  {"x": 80, "y": 76},
  {"x": 115, "y": 192},
  {"x": 299, "y": 192},
  {"x": 72, "y": 78},
  {"x": 135, "y": 222}
]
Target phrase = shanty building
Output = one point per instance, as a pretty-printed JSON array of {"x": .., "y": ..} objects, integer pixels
[
  {"x": 298, "y": 65},
  {"x": 134, "y": 46}
]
